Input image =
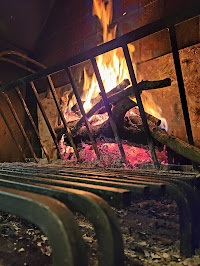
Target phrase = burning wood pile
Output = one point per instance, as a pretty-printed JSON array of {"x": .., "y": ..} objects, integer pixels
[{"x": 120, "y": 93}]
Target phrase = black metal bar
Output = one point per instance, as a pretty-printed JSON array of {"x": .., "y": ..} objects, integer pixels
[
  {"x": 187, "y": 199},
  {"x": 32, "y": 122},
  {"x": 80, "y": 104},
  {"x": 17, "y": 64},
  {"x": 108, "y": 109},
  {"x": 68, "y": 131},
  {"x": 94, "y": 208},
  {"x": 53, "y": 218},
  {"x": 45, "y": 116},
  {"x": 13, "y": 136},
  {"x": 19, "y": 124},
  {"x": 22, "y": 56},
  {"x": 140, "y": 105},
  {"x": 117, "y": 197},
  {"x": 179, "y": 75},
  {"x": 138, "y": 187},
  {"x": 134, "y": 35}
]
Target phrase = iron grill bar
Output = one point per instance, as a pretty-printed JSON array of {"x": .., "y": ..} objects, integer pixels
[
  {"x": 68, "y": 131},
  {"x": 182, "y": 93},
  {"x": 140, "y": 105},
  {"x": 32, "y": 122},
  {"x": 45, "y": 116},
  {"x": 12, "y": 109},
  {"x": 80, "y": 104},
  {"x": 13, "y": 136},
  {"x": 181, "y": 86},
  {"x": 17, "y": 64},
  {"x": 108, "y": 109},
  {"x": 134, "y": 35}
]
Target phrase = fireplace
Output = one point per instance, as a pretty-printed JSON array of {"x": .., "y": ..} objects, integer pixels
[
  {"x": 162, "y": 52},
  {"x": 124, "y": 147}
]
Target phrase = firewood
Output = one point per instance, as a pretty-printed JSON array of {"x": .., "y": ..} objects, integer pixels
[
  {"x": 134, "y": 134},
  {"x": 179, "y": 146},
  {"x": 114, "y": 99},
  {"x": 124, "y": 84},
  {"x": 122, "y": 105}
]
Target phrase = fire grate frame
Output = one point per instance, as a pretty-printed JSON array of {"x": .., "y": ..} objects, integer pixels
[{"x": 168, "y": 23}]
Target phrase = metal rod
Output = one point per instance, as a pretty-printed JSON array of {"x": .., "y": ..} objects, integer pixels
[
  {"x": 20, "y": 125},
  {"x": 32, "y": 122},
  {"x": 182, "y": 93},
  {"x": 13, "y": 136},
  {"x": 140, "y": 105},
  {"x": 21, "y": 55},
  {"x": 88, "y": 126},
  {"x": 17, "y": 64},
  {"x": 53, "y": 135},
  {"x": 166, "y": 22},
  {"x": 68, "y": 131},
  {"x": 108, "y": 109}
]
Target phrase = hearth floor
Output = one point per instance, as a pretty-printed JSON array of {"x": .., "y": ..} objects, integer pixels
[{"x": 150, "y": 232}]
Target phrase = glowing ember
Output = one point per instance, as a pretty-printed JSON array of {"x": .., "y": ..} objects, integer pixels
[
  {"x": 110, "y": 155},
  {"x": 98, "y": 119}
]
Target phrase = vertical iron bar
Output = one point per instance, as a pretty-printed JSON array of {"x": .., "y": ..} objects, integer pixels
[
  {"x": 88, "y": 126},
  {"x": 140, "y": 105},
  {"x": 32, "y": 122},
  {"x": 53, "y": 135},
  {"x": 20, "y": 125},
  {"x": 108, "y": 109},
  {"x": 68, "y": 131},
  {"x": 13, "y": 136},
  {"x": 179, "y": 75}
]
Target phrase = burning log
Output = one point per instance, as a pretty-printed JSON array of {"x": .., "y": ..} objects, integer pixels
[
  {"x": 113, "y": 99},
  {"x": 179, "y": 146},
  {"x": 122, "y": 103},
  {"x": 123, "y": 106},
  {"x": 124, "y": 84},
  {"x": 104, "y": 131},
  {"x": 120, "y": 95},
  {"x": 132, "y": 130}
]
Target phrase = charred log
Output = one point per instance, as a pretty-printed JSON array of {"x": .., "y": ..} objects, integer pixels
[
  {"x": 124, "y": 84},
  {"x": 129, "y": 128},
  {"x": 132, "y": 131},
  {"x": 179, "y": 146},
  {"x": 104, "y": 131},
  {"x": 118, "y": 97}
]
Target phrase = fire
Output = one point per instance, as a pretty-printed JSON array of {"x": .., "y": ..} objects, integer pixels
[
  {"x": 113, "y": 70},
  {"x": 112, "y": 65},
  {"x": 151, "y": 108}
]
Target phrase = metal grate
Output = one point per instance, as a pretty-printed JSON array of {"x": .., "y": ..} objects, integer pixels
[{"x": 73, "y": 186}]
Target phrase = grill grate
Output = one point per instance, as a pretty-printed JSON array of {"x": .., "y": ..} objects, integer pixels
[{"x": 117, "y": 187}]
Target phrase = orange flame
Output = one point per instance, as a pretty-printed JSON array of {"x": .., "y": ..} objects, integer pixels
[
  {"x": 151, "y": 108},
  {"x": 112, "y": 65}
]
